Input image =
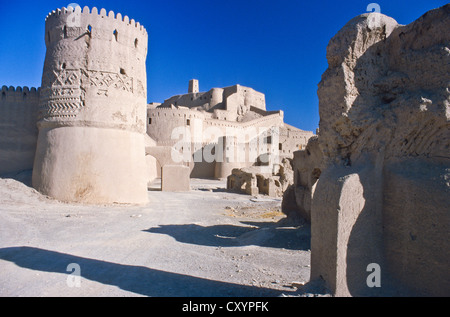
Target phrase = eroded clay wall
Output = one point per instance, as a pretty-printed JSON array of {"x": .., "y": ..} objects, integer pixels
[{"x": 383, "y": 195}]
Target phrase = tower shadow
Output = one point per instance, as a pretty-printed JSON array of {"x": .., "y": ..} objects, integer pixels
[{"x": 136, "y": 279}]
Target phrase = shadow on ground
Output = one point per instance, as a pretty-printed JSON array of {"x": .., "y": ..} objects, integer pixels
[
  {"x": 215, "y": 190},
  {"x": 264, "y": 234},
  {"x": 136, "y": 279}
]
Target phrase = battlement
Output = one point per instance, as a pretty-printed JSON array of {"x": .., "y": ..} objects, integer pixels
[
  {"x": 74, "y": 23},
  {"x": 8, "y": 93},
  {"x": 176, "y": 112},
  {"x": 18, "y": 130},
  {"x": 65, "y": 12}
]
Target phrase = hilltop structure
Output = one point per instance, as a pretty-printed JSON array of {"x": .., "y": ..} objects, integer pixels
[
  {"x": 89, "y": 135},
  {"x": 230, "y": 124}
]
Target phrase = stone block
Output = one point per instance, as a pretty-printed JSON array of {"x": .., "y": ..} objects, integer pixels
[{"x": 175, "y": 178}]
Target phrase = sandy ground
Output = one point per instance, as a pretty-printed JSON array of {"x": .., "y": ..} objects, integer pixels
[{"x": 205, "y": 242}]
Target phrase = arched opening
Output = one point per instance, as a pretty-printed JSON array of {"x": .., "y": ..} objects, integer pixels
[
  {"x": 315, "y": 175},
  {"x": 153, "y": 173},
  {"x": 116, "y": 35},
  {"x": 136, "y": 43}
]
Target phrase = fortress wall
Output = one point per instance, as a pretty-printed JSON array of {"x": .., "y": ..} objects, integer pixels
[
  {"x": 231, "y": 102},
  {"x": 165, "y": 120},
  {"x": 292, "y": 140},
  {"x": 224, "y": 115},
  {"x": 239, "y": 99},
  {"x": 228, "y": 102},
  {"x": 253, "y": 98},
  {"x": 252, "y": 147},
  {"x": 240, "y": 95},
  {"x": 161, "y": 122},
  {"x": 235, "y": 110},
  {"x": 267, "y": 122},
  {"x": 18, "y": 130},
  {"x": 263, "y": 112}
]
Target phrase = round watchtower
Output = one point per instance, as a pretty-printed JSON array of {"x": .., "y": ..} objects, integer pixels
[{"x": 92, "y": 109}]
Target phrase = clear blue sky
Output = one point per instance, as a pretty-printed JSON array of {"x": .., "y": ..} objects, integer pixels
[{"x": 276, "y": 47}]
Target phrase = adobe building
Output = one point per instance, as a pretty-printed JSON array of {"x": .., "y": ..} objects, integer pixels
[{"x": 231, "y": 124}]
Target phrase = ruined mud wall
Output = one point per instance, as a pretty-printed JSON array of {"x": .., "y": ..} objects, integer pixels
[
  {"x": 383, "y": 196},
  {"x": 18, "y": 130},
  {"x": 306, "y": 170}
]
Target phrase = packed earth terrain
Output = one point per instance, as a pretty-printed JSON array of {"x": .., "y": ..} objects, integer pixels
[{"x": 206, "y": 242}]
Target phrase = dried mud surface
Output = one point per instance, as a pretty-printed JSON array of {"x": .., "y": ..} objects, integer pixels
[{"x": 206, "y": 242}]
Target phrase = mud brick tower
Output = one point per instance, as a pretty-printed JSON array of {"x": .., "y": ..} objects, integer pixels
[{"x": 92, "y": 109}]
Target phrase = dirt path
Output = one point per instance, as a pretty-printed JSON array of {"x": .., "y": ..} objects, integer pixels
[{"x": 203, "y": 243}]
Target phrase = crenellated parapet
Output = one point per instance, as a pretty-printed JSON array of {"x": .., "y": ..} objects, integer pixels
[
  {"x": 19, "y": 93},
  {"x": 18, "y": 131},
  {"x": 75, "y": 23},
  {"x": 94, "y": 69},
  {"x": 19, "y": 107}
]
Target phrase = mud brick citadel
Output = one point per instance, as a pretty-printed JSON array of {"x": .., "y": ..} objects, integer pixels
[
  {"x": 374, "y": 183},
  {"x": 89, "y": 134}
]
